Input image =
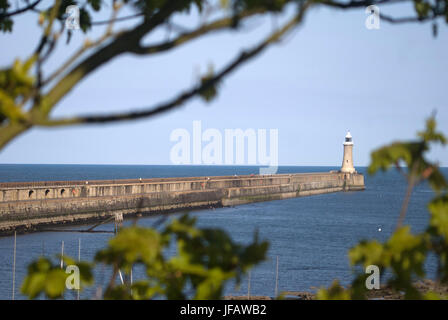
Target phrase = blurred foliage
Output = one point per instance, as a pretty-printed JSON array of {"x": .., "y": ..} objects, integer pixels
[
  {"x": 16, "y": 83},
  {"x": 5, "y": 22},
  {"x": 211, "y": 91},
  {"x": 404, "y": 254},
  {"x": 45, "y": 277},
  {"x": 424, "y": 9},
  {"x": 412, "y": 155},
  {"x": 205, "y": 260}
]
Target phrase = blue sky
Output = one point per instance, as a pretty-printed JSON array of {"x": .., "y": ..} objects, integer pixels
[{"x": 329, "y": 76}]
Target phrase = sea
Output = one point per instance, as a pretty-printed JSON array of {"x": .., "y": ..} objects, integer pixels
[{"x": 309, "y": 237}]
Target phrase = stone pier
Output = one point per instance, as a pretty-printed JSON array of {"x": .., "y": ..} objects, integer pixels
[{"x": 28, "y": 206}]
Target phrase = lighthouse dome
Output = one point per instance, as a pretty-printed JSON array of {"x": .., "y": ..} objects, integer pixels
[{"x": 348, "y": 139}]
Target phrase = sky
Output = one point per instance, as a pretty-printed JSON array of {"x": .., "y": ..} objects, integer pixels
[{"x": 329, "y": 76}]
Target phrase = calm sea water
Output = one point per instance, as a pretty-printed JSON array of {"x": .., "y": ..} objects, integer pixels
[{"x": 311, "y": 236}]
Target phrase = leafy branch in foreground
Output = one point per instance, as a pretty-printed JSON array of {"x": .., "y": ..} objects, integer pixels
[
  {"x": 404, "y": 254},
  {"x": 205, "y": 260}
]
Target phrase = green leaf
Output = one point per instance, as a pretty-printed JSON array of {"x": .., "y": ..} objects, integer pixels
[
  {"x": 334, "y": 292},
  {"x": 211, "y": 90},
  {"x": 45, "y": 278},
  {"x": 132, "y": 245},
  {"x": 55, "y": 283},
  {"x": 95, "y": 4},
  {"x": 438, "y": 208},
  {"x": 6, "y": 25},
  {"x": 85, "y": 21},
  {"x": 430, "y": 134},
  {"x": 422, "y": 8},
  {"x": 33, "y": 285}
]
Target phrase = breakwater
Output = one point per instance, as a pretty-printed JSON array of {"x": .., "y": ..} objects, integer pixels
[{"x": 27, "y": 206}]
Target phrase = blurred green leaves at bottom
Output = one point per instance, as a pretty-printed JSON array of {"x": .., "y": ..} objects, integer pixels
[
  {"x": 205, "y": 260},
  {"x": 50, "y": 279}
]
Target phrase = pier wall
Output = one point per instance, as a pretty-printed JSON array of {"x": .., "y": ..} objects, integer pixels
[{"x": 30, "y": 205}]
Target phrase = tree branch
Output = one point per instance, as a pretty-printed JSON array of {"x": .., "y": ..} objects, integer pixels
[
  {"x": 122, "y": 43},
  {"x": 11, "y": 130},
  {"x": 411, "y": 183},
  {"x": 19, "y": 11},
  {"x": 406, "y": 19},
  {"x": 187, "y": 95},
  {"x": 102, "y": 22},
  {"x": 357, "y": 3},
  {"x": 87, "y": 45},
  {"x": 387, "y": 18},
  {"x": 220, "y": 24}
]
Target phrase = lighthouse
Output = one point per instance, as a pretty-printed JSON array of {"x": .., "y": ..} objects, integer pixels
[{"x": 347, "y": 161}]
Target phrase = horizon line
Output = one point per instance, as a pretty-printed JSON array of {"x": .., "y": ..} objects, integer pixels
[{"x": 182, "y": 165}]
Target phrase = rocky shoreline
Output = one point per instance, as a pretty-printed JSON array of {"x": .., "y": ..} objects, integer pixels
[{"x": 384, "y": 293}]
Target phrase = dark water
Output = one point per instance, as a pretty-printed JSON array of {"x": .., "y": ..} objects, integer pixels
[{"x": 310, "y": 235}]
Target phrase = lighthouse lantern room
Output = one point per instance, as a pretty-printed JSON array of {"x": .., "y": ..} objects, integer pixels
[{"x": 347, "y": 161}]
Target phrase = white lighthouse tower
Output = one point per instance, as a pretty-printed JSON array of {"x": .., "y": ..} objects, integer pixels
[{"x": 347, "y": 162}]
